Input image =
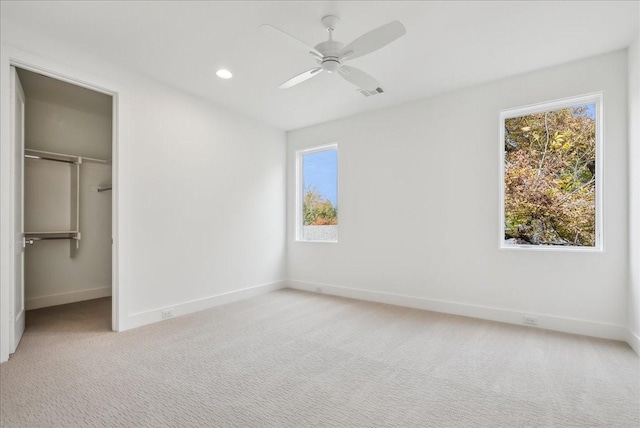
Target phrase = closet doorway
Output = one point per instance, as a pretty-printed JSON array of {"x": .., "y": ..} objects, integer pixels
[{"x": 63, "y": 202}]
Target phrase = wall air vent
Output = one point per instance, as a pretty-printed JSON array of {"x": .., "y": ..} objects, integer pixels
[{"x": 369, "y": 93}]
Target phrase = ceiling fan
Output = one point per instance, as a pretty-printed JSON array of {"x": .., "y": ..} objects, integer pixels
[{"x": 331, "y": 55}]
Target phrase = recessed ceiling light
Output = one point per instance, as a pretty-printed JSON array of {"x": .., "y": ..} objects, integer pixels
[{"x": 223, "y": 73}]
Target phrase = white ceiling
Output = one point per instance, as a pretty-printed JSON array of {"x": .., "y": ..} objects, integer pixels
[{"x": 448, "y": 45}]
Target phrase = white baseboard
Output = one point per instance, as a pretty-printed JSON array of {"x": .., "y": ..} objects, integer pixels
[
  {"x": 545, "y": 321},
  {"x": 64, "y": 298},
  {"x": 148, "y": 317},
  {"x": 634, "y": 341}
]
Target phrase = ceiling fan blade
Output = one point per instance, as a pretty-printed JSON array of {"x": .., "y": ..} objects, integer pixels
[
  {"x": 300, "y": 78},
  {"x": 373, "y": 40},
  {"x": 299, "y": 42},
  {"x": 359, "y": 78}
]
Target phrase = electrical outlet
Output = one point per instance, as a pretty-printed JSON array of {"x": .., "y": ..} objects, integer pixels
[
  {"x": 167, "y": 313},
  {"x": 318, "y": 289},
  {"x": 529, "y": 320}
]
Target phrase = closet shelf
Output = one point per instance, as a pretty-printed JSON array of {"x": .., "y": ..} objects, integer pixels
[
  {"x": 31, "y": 238},
  {"x": 57, "y": 232},
  {"x": 75, "y": 163},
  {"x": 61, "y": 157},
  {"x": 71, "y": 235}
]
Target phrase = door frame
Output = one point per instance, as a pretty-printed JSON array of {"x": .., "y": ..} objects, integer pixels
[{"x": 14, "y": 57}]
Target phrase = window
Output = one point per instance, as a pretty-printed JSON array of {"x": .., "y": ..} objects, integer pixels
[
  {"x": 317, "y": 194},
  {"x": 551, "y": 175}
]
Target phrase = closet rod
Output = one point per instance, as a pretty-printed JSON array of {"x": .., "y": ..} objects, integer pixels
[
  {"x": 46, "y": 158},
  {"x": 31, "y": 241}
]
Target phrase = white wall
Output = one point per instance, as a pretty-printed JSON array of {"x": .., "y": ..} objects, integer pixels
[
  {"x": 207, "y": 202},
  {"x": 200, "y": 196},
  {"x": 418, "y": 209},
  {"x": 69, "y": 128},
  {"x": 634, "y": 195}
]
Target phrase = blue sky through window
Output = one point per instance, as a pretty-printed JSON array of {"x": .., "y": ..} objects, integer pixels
[
  {"x": 320, "y": 172},
  {"x": 591, "y": 110}
]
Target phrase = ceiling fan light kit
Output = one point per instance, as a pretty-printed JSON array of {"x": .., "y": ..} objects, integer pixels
[{"x": 331, "y": 54}]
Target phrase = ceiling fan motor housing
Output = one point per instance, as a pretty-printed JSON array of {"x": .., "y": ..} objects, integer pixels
[
  {"x": 330, "y": 55},
  {"x": 330, "y": 64}
]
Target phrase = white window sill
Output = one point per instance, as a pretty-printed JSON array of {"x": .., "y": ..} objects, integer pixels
[{"x": 554, "y": 248}]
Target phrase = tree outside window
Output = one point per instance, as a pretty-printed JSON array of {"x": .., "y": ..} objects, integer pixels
[
  {"x": 550, "y": 177},
  {"x": 318, "y": 188}
]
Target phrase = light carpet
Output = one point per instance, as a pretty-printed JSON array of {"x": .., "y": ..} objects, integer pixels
[{"x": 297, "y": 359}]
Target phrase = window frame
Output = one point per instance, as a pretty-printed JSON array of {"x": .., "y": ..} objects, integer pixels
[
  {"x": 299, "y": 226},
  {"x": 592, "y": 98}
]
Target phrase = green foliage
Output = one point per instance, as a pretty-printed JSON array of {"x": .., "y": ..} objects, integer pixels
[
  {"x": 317, "y": 211},
  {"x": 550, "y": 178}
]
